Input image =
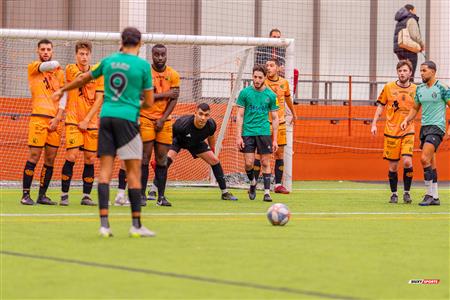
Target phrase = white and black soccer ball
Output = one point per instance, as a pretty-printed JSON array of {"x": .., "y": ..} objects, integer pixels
[{"x": 278, "y": 214}]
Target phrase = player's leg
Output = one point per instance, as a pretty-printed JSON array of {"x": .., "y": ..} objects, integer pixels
[
  {"x": 66, "y": 174},
  {"x": 28, "y": 173},
  {"x": 121, "y": 199},
  {"x": 88, "y": 177},
  {"x": 264, "y": 148},
  {"x": 50, "y": 152},
  {"x": 407, "y": 153},
  {"x": 257, "y": 167},
  {"x": 249, "y": 158},
  {"x": 161, "y": 151},
  {"x": 391, "y": 153},
  {"x": 104, "y": 177},
  {"x": 393, "y": 180},
  {"x": 279, "y": 160},
  {"x": 435, "y": 181},
  {"x": 210, "y": 158},
  {"x": 146, "y": 155},
  {"x": 426, "y": 158}
]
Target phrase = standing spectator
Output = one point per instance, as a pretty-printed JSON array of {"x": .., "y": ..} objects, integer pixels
[
  {"x": 406, "y": 18},
  {"x": 264, "y": 53}
]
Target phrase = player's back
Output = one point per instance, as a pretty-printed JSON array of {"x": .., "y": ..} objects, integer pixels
[
  {"x": 42, "y": 85},
  {"x": 125, "y": 77}
]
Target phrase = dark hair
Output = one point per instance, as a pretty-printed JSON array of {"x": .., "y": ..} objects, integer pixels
[
  {"x": 409, "y": 7},
  {"x": 404, "y": 62},
  {"x": 274, "y": 30},
  {"x": 131, "y": 37},
  {"x": 276, "y": 61},
  {"x": 204, "y": 106},
  {"x": 160, "y": 46},
  {"x": 430, "y": 64},
  {"x": 44, "y": 41},
  {"x": 260, "y": 68},
  {"x": 84, "y": 44}
]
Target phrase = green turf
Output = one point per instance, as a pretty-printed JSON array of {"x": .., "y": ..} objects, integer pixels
[{"x": 370, "y": 256}]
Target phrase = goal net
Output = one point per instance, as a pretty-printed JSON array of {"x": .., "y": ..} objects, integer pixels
[{"x": 212, "y": 70}]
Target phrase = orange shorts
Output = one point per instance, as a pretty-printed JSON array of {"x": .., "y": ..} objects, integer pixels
[
  {"x": 396, "y": 147},
  {"x": 39, "y": 136},
  {"x": 85, "y": 140},
  {"x": 148, "y": 131}
]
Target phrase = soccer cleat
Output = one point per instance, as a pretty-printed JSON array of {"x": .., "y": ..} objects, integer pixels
[
  {"x": 45, "y": 200},
  {"x": 228, "y": 196},
  {"x": 394, "y": 199},
  {"x": 141, "y": 232},
  {"x": 64, "y": 200},
  {"x": 252, "y": 192},
  {"x": 267, "y": 198},
  {"x": 427, "y": 200},
  {"x": 26, "y": 200},
  {"x": 121, "y": 200},
  {"x": 436, "y": 202},
  {"x": 151, "y": 196},
  {"x": 162, "y": 201},
  {"x": 407, "y": 198},
  {"x": 281, "y": 190},
  {"x": 88, "y": 201},
  {"x": 105, "y": 232}
]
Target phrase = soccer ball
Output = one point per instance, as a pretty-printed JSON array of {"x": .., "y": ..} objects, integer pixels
[{"x": 278, "y": 214}]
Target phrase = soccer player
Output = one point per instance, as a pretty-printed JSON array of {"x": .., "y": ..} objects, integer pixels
[
  {"x": 126, "y": 76},
  {"x": 253, "y": 128},
  {"x": 44, "y": 77},
  {"x": 398, "y": 97},
  {"x": 433, "y": 96},
  {"x": 156, "y": 125},
  {"x": 280, "y": 87},
  {"x": 190, "y": 133},
  {"x": 81, "y": 123}
]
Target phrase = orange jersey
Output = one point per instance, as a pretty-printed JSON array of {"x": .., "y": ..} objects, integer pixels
[
  {"x": 162, "y": 82},
  {"x": 80, "y": 101},
  {"x": 280, "y": 87},
  {"x": 42, "y": 86},
  {"x": 398, "y": 101}
]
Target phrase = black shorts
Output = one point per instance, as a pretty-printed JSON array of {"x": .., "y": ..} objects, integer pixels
[
  {"x": 202, "y": 147},
  {"x": 431, "y": 134},
  {"x": 261, "y": 143},
  {"x": 119, "y": 136}
]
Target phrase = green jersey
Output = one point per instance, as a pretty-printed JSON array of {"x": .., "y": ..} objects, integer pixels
[
  {"x": 257, "y": 106},
  {"x": 433, "y": 100},
  {"x": 126, "y": 76}
]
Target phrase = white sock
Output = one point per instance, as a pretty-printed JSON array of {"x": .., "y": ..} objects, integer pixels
[
  {"x": 394, "y": 193},
  {"x": 267, "y": 192},
  {"x": 277, "y": 185},
  {"x": 120, "y": 192},
  {"x": 153, "y": 188},
  {"x": 435, "y": 190},
  {"x": 429, "y": 185},
  {"x": 253, "y": 182},
  {"x": 86, "y": 195},
  {"x": 224, "y": 191},
  {"x": 64, "y": 194},
  {"x": 406, "y": 192}
]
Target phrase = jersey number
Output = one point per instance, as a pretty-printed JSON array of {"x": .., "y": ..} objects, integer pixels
[{"x": 118, "y": 83}]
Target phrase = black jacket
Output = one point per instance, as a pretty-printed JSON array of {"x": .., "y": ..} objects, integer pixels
[{"x": 402, "y": 16}]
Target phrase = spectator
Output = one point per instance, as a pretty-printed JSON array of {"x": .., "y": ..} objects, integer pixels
[
  {"x": 406, "y": 18},
  {"x": 264, "y": 53}
]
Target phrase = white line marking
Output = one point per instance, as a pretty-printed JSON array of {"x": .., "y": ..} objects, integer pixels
[{"x": 229, "y": 214}]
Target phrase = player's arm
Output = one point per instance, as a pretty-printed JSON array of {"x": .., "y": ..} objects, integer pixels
[
  {"x": 290, "y": 105},
  {"x": 412, "y": 114},
  {"x": 212, "y": 143},
  {"x": 376, "y": 117},
  {"x": 83, "y": 125},
  {"x": 173, "y": 93},
  {"x": 275, "y": 122},
  {"x": 239, "y": 121},
  {"x": 76, "y": 83},
  {"x": 148, "y": 99},
  {"x": 59, "y": 115},
  {"x": 49, "y": 66}
]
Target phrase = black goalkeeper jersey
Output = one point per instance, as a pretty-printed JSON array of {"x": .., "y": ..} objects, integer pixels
[{"x": 187, "y": 135}]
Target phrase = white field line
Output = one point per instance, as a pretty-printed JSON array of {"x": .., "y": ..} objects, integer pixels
[{"x": 226, "y": 214}]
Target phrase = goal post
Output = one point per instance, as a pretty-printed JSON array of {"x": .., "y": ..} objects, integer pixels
[{"x": 213, "y": 69}]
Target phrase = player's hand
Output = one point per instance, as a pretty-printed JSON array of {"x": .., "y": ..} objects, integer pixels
[
  {"x": 240, "y": 143},
  {"x": 159, "y": 124},
  {"x": 374, "y": 129},
  {"x": 53, "y": 124},
  {"x": 174, "y": 93},
  {"x": 404, "y": 125},
  {"x": 83, "y": 125},
  {"x": 274, "y": 146},
  {"x": 57, "y": 95}
]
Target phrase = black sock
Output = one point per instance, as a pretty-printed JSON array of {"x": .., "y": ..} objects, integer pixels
[
  {"x": 88, "y": 178},
  {"x": 169, "y": 162},
  {"x": 279, "y": 167},
  {"x": 428, "y": 174},
  {"x": 66, "y": 176},
  {"x": 46, "y": 176},
  {"x": 218, "y": 173},
  {"x": 407, "y": 178},
  {"x": 257, "y": 168},
  {"x": 250, "y": 175},
  {"x": 144, "y": 178},
  {"x": 103, "y": 202},
  {"x": 135, "y": 200},
  {"x": 435, "y": 176},
  {"x": 122, "y": 179},
  {"x": 161, "y": 178},
  {"x": 28, "y": 173},
  {"x": 393, "y": 181},
  {"x": 266, "y": 178}
]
